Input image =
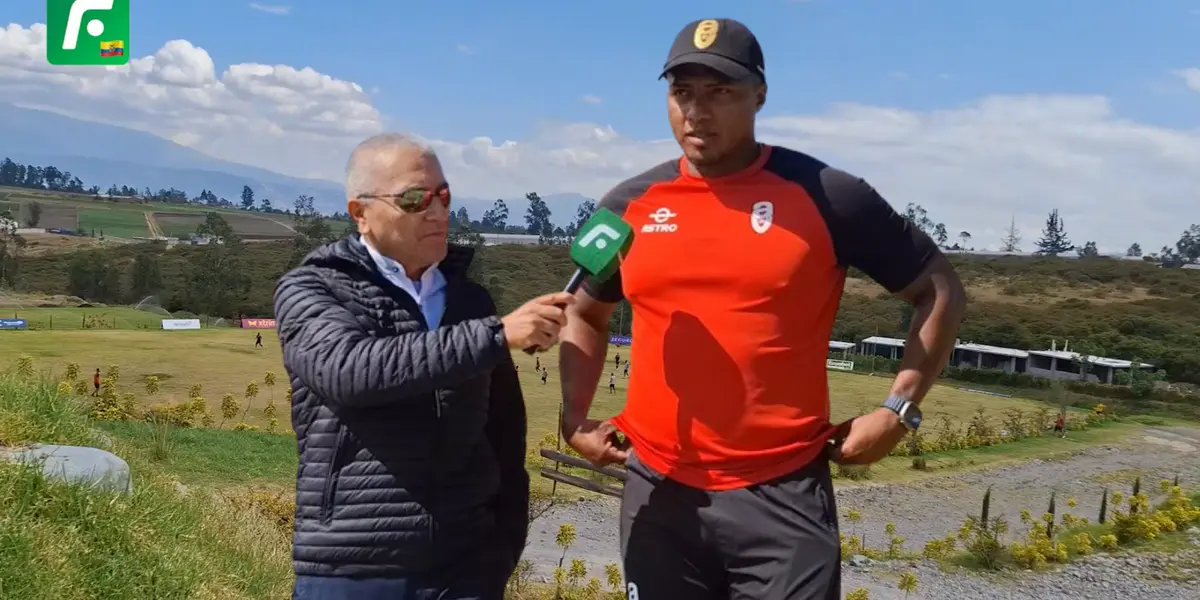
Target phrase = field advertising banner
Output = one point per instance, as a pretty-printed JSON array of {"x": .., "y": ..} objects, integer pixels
[
  {"x": 620, "y": 340},
  {"x": 174, "y": 324},
  {"x": 12, "y": 323},
  {"x": 258, "y": 323}
]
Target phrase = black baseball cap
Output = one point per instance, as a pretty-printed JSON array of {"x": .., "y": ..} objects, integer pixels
[{"x": 723, "y": 45}]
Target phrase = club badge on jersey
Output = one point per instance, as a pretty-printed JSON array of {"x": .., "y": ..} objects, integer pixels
[{"x": 761, "y": 216}]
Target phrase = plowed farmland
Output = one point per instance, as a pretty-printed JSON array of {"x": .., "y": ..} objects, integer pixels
[
  {"x": 249, "y": 227},
  {"x": 54, "y": 216}
]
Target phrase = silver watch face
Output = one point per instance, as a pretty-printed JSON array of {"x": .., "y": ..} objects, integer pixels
[{"x": 912, "y": 416}]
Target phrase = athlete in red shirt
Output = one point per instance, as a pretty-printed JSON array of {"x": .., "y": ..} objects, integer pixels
[{"x": 734, "y": 276}]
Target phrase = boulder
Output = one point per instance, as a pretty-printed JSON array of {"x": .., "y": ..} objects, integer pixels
[{"x": 100, "y": 469}]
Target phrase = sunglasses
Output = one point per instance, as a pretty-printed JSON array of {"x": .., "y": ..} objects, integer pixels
[{"x": 414, "y": 200}]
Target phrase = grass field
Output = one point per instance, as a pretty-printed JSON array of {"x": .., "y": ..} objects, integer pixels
[
  {"x": 113, "y": 222},
  {"x": 69, "y": 542},
  {"x": 121, "y": 219},
  {"x": 224, "y": 360}
]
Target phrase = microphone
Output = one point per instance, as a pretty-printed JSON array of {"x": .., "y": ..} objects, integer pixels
[{"x": 597, "y": 251}]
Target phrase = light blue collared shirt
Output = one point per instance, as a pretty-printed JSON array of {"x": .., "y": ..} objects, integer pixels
[{"x": 429, "y": 291}]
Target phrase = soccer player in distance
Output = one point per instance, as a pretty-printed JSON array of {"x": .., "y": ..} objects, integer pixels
[{"x": 735, "y": 278}]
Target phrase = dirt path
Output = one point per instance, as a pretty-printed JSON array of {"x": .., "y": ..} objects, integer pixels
[
  {"x": 152, "y": 225},
  {"x": 937, "y": 506}
]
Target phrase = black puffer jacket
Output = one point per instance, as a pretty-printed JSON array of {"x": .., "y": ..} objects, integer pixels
[{"x": 411, "y": 441}]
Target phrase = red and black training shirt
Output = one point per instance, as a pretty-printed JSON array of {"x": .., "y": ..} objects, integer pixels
[{"x": 735, "y": 283}]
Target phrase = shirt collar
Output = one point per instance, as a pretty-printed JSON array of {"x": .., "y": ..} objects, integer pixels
[{"x": 431, "y": 280}]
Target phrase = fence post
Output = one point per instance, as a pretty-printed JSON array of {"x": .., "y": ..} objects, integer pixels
[{"x": 51, "y": 320}]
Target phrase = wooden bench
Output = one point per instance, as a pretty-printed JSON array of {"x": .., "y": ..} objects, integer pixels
[{"x": 557, "y": 476}]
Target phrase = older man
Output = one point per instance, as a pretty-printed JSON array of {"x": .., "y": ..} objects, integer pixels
[{"x": 408, "y": 413}]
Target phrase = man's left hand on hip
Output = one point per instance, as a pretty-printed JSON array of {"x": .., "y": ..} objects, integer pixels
[{"x": 868, "y": 438}]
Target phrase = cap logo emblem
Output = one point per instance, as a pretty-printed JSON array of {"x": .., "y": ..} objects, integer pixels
[{"x": 706, "y": 33}]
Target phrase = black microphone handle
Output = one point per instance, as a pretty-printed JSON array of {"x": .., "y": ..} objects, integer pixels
[{"x": 572, "y": 287}]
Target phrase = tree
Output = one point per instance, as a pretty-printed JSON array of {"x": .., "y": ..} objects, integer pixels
[
  {"x": 582, "y": 214},
  {"x": 311, "y": 228},
  {"x": 964, "y": 237},
  {"x": 1054, "y": 237},
  {"x": 1135, "y": 250},
  {"x": 940, "y": 235},
  {"x": 147, "y": 279},
  {"x": 460, "y": 217},
  {"x": 216, "y": 280},
  {"x": 215, "y": 226},
  {"x": 96, "y": 281},
  {"x": 1012, "y": 238},
  {"x": 919, "y": 217},
  {"x": 247, "y": 197},
  {"x": 1088, "y": 250},
  {"x": 1188, "y": 246},
  {"x": 265, "y": 204},
  {"x": 35, "y": 214},
  {"x": 496, "y": 217},
  {"x": 537, "y": 219},
  {"x": 11, "y": 245},
  {"x": 463, "y": 235}
]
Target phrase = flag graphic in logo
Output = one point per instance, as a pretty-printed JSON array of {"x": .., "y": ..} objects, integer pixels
[{"x": 113, "y": 48}]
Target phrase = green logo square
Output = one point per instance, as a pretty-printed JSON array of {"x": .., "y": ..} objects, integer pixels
[
  {"x": 601, "y": 243},
  {"x": 87, "y": 32}
]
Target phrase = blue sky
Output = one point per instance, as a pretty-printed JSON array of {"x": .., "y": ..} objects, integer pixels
[{"x": 533, "y": 60}]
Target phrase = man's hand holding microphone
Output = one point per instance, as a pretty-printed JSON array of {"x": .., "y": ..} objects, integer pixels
[{"x": 536, "y": 323}]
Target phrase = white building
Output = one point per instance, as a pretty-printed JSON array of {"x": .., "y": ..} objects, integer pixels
[
  {"x": 841, "y": 347},
  {"x": 983, "y": 356},
  {"x": 886, "y": 347},
  {"x": 1064, "y": 364},
  {"x": 493, "y": 239}
]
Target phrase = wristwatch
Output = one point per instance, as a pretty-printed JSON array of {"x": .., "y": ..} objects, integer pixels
[{"x": 908, "y": 411}]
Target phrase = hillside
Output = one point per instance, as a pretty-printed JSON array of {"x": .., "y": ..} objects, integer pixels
[
  {"x": 1126, "y": 309},
  {"x": 103, "y": 155}
]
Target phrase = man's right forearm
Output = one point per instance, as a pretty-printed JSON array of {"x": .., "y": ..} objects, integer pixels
[{"x": 584, "y": 343}]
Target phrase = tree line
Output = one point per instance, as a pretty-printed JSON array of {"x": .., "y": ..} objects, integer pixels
[{"x": 1054, "y": 240}]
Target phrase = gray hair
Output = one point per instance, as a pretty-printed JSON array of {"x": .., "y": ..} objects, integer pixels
[{"x": 363, "y": 168}]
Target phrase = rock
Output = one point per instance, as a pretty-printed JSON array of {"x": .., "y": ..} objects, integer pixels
[
  {"x": 98, "y": 468},
  {"x": 860, "y": 561}
]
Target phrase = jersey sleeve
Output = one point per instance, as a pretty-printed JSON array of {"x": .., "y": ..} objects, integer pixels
[
  {"x": 870, "y": 235},
  {"x": 617, "y": 200}
]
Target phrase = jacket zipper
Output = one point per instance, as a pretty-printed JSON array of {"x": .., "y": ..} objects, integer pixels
[{"x": 436, "y": 479}]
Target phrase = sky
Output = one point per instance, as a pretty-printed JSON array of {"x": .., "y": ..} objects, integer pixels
[{"x": 984, "y": 112}]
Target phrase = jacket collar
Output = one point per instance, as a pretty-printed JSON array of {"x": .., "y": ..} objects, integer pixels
[{"x": 349, "y": 253}]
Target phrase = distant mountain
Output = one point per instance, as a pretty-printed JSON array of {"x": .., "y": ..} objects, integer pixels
[{"x": 104, "y": 155}]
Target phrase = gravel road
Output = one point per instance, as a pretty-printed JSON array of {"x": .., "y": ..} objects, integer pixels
[{"x": 938, "y": 505}]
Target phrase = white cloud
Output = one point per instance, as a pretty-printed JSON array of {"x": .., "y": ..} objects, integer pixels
[
  {"x": 274, "y": 9},
  {"x": 898, "y": 75},
  {"x": 1190, "y": 77},
  {"x": 591, "y": 99},
  {"x": 465, "y": 49},
  {"x": 276, "y": 116},
  {"x": 973, "y": 166}
]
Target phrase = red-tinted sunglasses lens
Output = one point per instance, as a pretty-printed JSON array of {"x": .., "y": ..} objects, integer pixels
[{"x": 417, "y": 199}]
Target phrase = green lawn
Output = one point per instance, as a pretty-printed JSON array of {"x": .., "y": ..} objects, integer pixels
[
  {"x": 70, "y": 542},
  {"x": 115, "y": 222}
]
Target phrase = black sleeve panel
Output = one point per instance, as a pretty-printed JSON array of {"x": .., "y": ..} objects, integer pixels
[
  {"x": 867, "y": 232},
  {"x": 617, "y": 200}
]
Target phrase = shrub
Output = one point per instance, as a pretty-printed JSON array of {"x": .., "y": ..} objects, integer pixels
[{"x": 1039, "y": 548}]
